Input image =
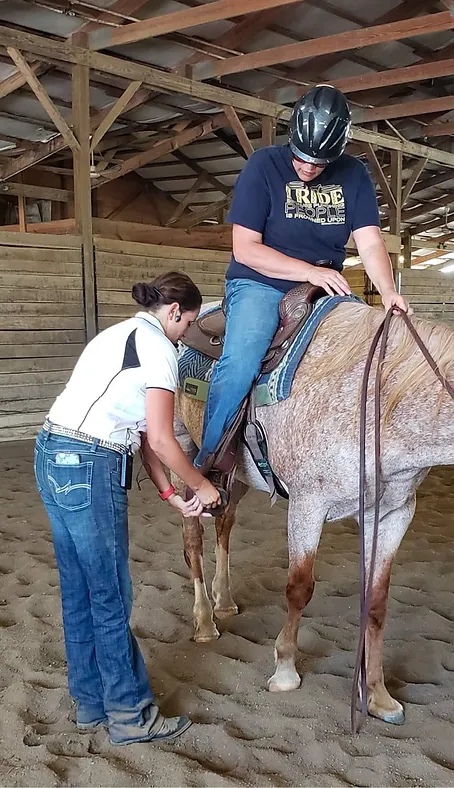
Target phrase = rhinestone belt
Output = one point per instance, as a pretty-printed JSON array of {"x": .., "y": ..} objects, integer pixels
[{"x": 56, "y": 429}]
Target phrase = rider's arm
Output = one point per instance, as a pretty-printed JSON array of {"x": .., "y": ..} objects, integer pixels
[
  {"x": 249, "y": 249},
  {"x": 374, "y": 257}
]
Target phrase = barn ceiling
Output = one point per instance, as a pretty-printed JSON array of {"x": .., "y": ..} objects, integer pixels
[{"x": 394, "y": 60}]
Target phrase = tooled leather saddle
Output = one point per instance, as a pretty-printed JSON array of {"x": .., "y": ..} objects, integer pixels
[{"x": 206, "y": 334}]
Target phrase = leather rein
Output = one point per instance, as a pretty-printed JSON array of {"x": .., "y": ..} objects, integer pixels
[{"x": 381, "y": 336}]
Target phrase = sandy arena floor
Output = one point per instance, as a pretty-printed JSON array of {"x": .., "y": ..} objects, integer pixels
[{"x": 242, "y": 734}]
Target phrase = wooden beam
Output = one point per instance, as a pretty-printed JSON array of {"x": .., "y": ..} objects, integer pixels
[
  {"x": 36, "y": 192},
  {"x": 395, "y": 211},
  {"x": 380, "y": 177},
  {"x": 406, "y": 251},
  {"x": 404, "y": 109},
  {"x": 396, "y": 76},
  {"x": 414, "y": 177},
  {"x": 196, "y": 217},
  {"x": 438, "y": 222},
  {"x": 340, "y": 42},
  {"x": 178, "y": 20},
  {"x": 43, "y": 98},
  {"x": 427, "y": 207},
  {"x": 268, "y": 131},
  {"x": 423, "y": 258},
  {"x": 181, "y": 207},
  {"x": 239, "y": 130},
  {"x": 113, "y": 113},
  {"x": 41, "y": 46},
  {"x": 195, "y": 167},
  {"x": 126, "y": 7},
  {"x": 22, "y": 214},
  {"x": 18, "y": 80},
  {"x": 437, "y": 130},
  {"x": 162, "y": 148},
  {"x": 82, "y": 192}
]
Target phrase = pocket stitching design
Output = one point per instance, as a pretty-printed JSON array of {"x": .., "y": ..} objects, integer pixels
[{"x": 68, "y": 487}]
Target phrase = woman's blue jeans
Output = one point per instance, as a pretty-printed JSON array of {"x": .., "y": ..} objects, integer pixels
[
  {"x": 252, "y": 318},
  {"x": 80, "y": 487}
]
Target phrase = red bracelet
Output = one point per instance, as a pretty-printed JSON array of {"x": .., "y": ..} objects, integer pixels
[{"x": 167, "y": 493}]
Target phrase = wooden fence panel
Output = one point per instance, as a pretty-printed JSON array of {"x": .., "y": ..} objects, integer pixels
[
  {"x": 42, "y": 326},
  {"x": 429, "y": 293},
  {"x": 120, "y": 264}
]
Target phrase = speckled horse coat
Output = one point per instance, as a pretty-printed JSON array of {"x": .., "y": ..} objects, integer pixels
[{"x": 314, "y": 448}]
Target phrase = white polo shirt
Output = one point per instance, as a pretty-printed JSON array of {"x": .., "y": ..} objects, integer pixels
[{"x": 105, "y": 395}]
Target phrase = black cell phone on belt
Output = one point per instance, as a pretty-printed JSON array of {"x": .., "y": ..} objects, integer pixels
[{"x": 126, "y": 470}]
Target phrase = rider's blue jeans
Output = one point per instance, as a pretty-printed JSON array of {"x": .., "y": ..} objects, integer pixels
[{"x": 252, "y": 317}]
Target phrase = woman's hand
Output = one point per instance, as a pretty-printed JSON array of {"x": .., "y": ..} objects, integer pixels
[
  {"x": 208, "y": 494},
  {"x": 331, "y": 281},
  {"x": 192, "y": 508},
  {"x": 392, "y": 298}
]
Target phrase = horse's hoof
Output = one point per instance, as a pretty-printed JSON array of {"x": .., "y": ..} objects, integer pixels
[
  {"x": 279, "y": 686},
  {"x": 226, "y": 612},
  {"x": 393, "y": 718},
  {"x": 207, "y": 637}
]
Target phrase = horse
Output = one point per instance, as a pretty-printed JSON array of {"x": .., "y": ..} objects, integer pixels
[{"x": 313, "y": 442}]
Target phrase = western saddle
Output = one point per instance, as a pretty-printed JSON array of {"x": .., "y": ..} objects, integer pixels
[{"x": 207, "y": 333}]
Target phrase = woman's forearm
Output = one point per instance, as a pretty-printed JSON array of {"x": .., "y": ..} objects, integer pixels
[
  {"x": 267, "y": 261},
  {"x": 154, "y": 467},
  {"x": 169, "y": 451}
]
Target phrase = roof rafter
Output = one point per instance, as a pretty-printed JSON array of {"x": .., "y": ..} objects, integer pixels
[
  {"x": 43, "y": 98},
  {"x": 179, "y": 20},
  {"x": 403, "y": 109},
  {"x": 340, "y": 42}
]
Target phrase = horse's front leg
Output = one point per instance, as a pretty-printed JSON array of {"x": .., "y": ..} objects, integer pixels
[
  {"x": 305, "y": 522},
  {"x": 220, "y": 589},
  {"x": 391, "y": 532},
  {"x": 204, "y": 627}
]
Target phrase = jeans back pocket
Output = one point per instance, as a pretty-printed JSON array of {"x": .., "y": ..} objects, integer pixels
[{"x": 70, "y": 485}]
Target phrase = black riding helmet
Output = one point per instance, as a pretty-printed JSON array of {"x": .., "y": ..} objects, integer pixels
[{"x": 319, "y": 125}]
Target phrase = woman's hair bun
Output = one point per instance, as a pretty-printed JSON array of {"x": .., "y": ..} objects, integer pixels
[
  {"x": 146, "y": 295},
  {"x": 168, "y": 288}
]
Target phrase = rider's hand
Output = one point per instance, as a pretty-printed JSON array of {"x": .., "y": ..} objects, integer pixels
[
  {"x": 392, "y": 298},
  {"x": 192, "y": 508},
  {"x": 208, "y": 494},
  {"x": 331, "y": 281}
]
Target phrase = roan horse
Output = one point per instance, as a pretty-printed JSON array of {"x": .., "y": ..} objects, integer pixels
[{"x": 313, "y": 446}]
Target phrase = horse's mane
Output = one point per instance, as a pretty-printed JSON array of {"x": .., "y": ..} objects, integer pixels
[{"x": 404, "y": 369}]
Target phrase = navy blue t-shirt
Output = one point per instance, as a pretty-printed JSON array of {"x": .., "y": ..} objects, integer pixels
[{"x": 309, "y": 221}]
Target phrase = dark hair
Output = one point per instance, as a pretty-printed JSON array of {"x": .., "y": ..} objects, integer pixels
[{"x": 173, "y": 286}]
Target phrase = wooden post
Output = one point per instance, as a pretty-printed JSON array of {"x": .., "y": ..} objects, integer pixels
[
  {"x": 268, "y": 131},
  {"x": 21, "y": 212},
  {"x": 395, "y": 211},
  {"x": 82, "y": 189},
  {"x": 407, "y": 249}
]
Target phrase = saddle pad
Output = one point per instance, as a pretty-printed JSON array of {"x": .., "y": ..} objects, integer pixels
[{"x": 195, "y": 369}]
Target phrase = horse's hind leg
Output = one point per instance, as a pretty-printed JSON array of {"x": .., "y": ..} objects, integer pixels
[
  {"x": 204, "y": 626},
  {"x": 305, "y": 522},
  {"x": 392, "y": 530},
  {"x": 220, "y": 589}
]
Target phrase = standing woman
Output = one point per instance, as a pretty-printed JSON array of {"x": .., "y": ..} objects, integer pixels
[{"x": 119, "y": 398}]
